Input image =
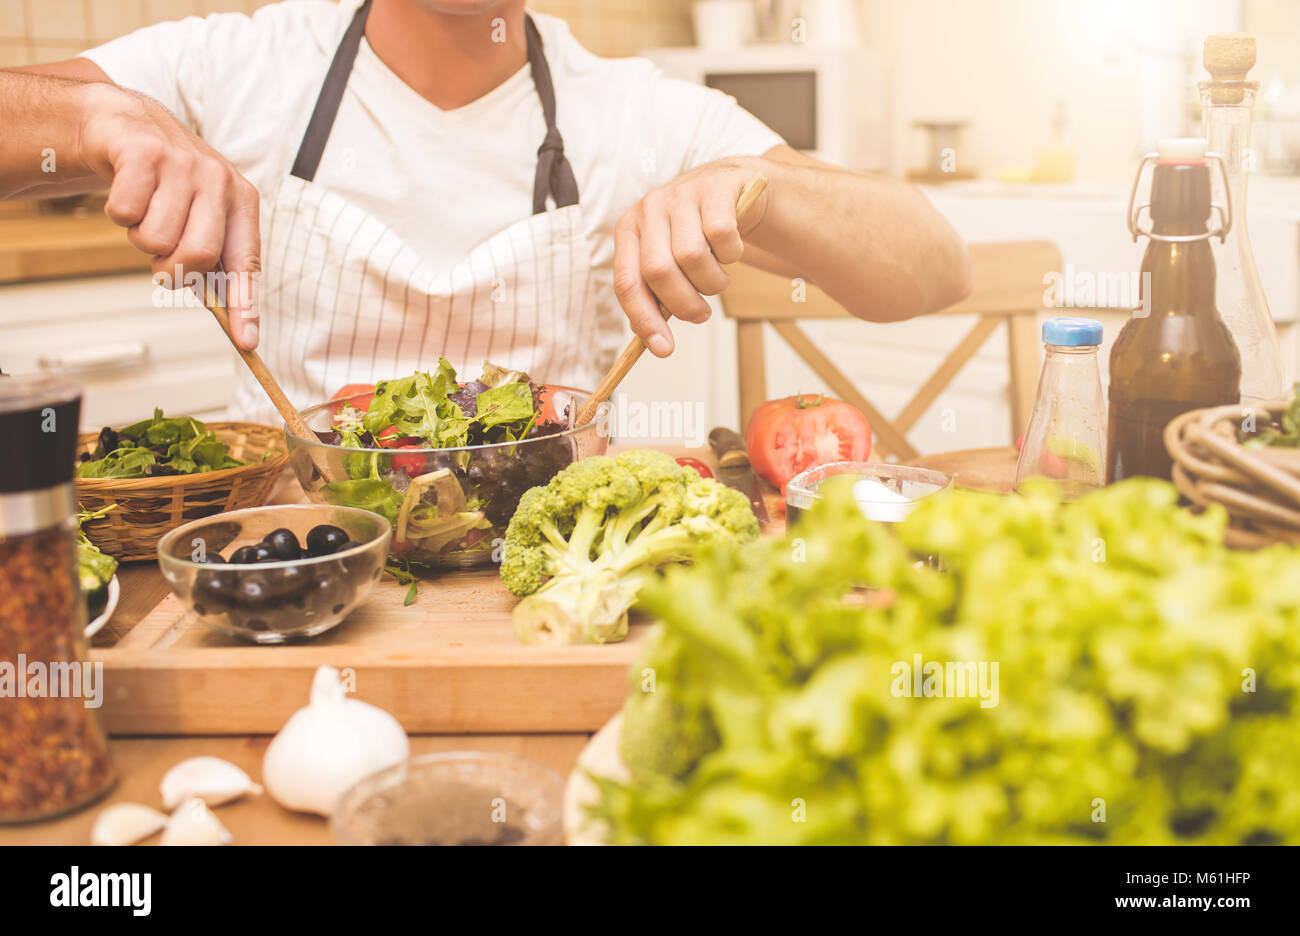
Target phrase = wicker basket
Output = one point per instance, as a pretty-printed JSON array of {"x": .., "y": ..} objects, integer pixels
[
  {"x": 1259, "y": 487},
  {"x": 149, "y": 507}
]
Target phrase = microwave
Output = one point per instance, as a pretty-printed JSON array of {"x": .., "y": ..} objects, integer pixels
[{"x": 829, "y": 102}]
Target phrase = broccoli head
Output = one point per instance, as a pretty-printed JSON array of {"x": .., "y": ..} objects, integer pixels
[{"x": 578, "y": 548}]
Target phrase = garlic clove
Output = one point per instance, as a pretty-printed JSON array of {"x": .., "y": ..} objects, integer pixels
[
  {"x": 126, "y": 824},
  {"x": 194, "y": 824},
  {"x": 211, "y": 779}
]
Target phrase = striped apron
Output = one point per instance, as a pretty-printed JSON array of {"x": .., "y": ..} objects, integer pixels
[{"x": 344, "y": 299}]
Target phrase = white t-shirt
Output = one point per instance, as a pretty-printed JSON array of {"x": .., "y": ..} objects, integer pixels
[{"x": 443, "y": 180}]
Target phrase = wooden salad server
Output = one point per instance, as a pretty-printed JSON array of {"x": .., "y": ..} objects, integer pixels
[
  {"x": 288, "y": 412},
  {"x": 636, "y": 347}
]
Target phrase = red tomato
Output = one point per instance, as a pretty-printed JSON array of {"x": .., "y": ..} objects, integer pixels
[
  {"x": 390, "y": 438},
  {"x": 700, "y": 468},
  {"x": 793, "y": 434},
  {"x": 348, "y": 391},
  {"x": 413, "y": 465}
]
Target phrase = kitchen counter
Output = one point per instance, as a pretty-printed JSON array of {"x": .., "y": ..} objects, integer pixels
[{"x": 50, "y": 246}]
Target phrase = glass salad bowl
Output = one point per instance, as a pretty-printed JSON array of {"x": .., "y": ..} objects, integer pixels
[
  {"x": 448, "y": 507},
  {"x": 271, "y": 600}
]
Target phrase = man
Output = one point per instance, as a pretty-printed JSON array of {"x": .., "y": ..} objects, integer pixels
[{"x": 417, "y": 178}]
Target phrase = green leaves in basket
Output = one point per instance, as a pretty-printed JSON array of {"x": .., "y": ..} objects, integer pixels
[
  {"x": 1287, "y": 432},
  {"x": 157, "y": 446}
]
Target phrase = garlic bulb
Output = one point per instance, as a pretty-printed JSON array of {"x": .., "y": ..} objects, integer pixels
[
  {"x": 194, "y": 824},
  {"x": 325, "y": 748},
  {"x": 126, "y": 824},
  {"x": 211, "y": 779}
]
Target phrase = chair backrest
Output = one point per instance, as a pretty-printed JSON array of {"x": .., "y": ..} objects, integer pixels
[{"x": 1008, "y": 287}]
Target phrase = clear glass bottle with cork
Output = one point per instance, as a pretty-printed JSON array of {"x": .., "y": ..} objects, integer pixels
[{"x": 1227, "y": 100}]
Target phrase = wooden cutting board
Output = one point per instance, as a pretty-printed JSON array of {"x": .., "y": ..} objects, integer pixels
[{"x": 448, "y": 663}]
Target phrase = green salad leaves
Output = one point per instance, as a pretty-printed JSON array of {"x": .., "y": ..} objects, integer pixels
[
  {"x": 157, "y": 446},
  {"x": 433, "y": 407},
  {"x": 1147, "y": 687}
]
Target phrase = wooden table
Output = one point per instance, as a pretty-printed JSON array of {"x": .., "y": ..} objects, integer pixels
[{"x": 141, "y": 762}]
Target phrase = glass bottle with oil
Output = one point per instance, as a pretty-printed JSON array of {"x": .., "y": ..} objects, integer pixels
[{"x": 1175, "y": 354}]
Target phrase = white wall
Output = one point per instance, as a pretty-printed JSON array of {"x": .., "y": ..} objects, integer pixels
[{"x": 1003, "y": 65}]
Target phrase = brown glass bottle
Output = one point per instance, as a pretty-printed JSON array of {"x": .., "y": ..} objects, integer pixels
[{"x": 1175, "y": 354}]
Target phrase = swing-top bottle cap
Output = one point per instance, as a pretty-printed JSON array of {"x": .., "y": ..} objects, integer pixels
[{"x": 1184, "y": 151}]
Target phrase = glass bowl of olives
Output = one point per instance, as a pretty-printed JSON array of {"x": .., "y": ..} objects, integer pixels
[{"x": 277, "y": 573}]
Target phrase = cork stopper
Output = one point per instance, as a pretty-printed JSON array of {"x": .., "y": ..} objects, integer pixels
[{"x": 1228, "y": 57}]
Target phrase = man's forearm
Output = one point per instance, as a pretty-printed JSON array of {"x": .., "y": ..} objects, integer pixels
[
  {"x": 41, "y": 117},
  {"x": 874, "y": 244}
]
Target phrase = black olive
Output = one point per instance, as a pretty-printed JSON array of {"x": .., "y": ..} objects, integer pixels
[
  {"x": 323, "y": 591},
  {"x": 324, "y": 540},
  {"x": 244, "y": 555},
  {"x": 263, "y": 553},
  {"x": 289, "y": 581},
  {"x": 253, "y": 591},
  {"x": 283, "y": 544},
  {"x": 215, "y": 588}
]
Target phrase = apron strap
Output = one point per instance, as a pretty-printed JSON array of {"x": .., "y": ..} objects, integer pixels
[
  {"x": 327, "y": 102},
  {"x": 554, "y": 174}
]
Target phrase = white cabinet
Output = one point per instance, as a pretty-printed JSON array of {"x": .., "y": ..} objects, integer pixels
[{"x": 129, "y": 353}]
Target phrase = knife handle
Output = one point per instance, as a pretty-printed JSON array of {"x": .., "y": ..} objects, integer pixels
[{"x": 728, "y": 447}]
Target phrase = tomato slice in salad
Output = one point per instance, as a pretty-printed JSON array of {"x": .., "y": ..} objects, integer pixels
[
  {"x": 793, "y": 434},
  {"x": 348, "y": 391},
  {"x": 413, "y": 465}
]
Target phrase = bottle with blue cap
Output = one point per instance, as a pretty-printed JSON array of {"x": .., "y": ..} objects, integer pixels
[{"x": 1066, "y": 438}]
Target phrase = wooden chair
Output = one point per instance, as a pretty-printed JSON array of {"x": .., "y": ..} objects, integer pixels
[{"x": 1008, "y": 289}]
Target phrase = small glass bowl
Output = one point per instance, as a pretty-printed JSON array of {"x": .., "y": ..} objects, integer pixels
[
  {"x": 456, "y": 798},
  {"x": 296, "y": 598},
  {"x": 913, "y": 483},
  {"x": 491, "y": 478}
]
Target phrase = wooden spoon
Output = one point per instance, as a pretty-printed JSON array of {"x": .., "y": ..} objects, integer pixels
[
  {"x": 288, "y": 412},
  {"x": 636, "y": 347}
]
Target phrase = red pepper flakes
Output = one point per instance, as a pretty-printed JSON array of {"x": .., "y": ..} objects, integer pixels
[{"x": 53, "y": 755}]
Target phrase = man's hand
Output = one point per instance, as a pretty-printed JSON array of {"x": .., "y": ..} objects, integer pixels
[
  {"x": 671, "y": 246},
  {"x": 178, "y": 198}
]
